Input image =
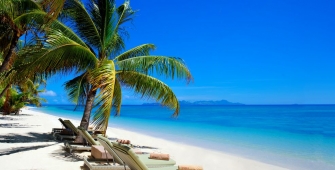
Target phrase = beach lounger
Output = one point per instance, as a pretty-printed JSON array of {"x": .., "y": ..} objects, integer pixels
[
  {"x": 86, "y": 146},
  {"x": 77, "y": 146},
  {"x": 58, "y": 130},
  {"x": 72, "y": 131},
  {"x": 89, "y": 141},
  {"x": 111, "y": 147},
  {"x": 129, "y": 158}
]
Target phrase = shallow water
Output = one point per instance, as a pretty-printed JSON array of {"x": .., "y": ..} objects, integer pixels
[{"x": 292, "y": 136}]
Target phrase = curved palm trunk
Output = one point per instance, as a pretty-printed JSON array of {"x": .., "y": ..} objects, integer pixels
[
  {"x": 7, "y": 105},
  {"x": 87, "y": 114},
  {"x": 7, "y": 58},
  {"x": 4, "y": 90}
]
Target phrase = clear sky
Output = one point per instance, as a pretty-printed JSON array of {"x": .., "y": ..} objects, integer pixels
[{"x": 252, "y": 52}]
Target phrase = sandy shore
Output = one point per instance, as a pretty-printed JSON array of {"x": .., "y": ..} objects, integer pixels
[{"x": 26, "y": 143}]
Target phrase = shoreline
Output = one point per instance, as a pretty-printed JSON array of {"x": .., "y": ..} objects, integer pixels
[{"x": 40, "y": 124}]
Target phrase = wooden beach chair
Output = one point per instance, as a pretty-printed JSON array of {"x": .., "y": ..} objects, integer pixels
[
  {"x": 86, "y": 146},
  {"x": 90, "y": 144},
  {"x": 111, "y": 147},
  {"x": 89, "y": 141},
  {"x": 59, "y": 130},
  {"x": 71, "y": 133}
]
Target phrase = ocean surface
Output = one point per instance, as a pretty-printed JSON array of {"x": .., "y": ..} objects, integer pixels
[{"x": 291, "y": 136}]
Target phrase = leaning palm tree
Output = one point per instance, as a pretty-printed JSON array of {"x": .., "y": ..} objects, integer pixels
[
  {"x": 16, "y": 18},
  {"x": 95, "y": 36},
  {"x": 30, "y": 91}
]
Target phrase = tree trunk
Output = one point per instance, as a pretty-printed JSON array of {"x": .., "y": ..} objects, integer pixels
[
  {"x": 7, "y": 58},
  {"x": 4, "y": 90},
  {"x": 7, "y": 105},
  {"x": 87, "y": 114}
]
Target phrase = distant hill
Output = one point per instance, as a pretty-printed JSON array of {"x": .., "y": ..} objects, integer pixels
[{"x": 200, "y": 103}]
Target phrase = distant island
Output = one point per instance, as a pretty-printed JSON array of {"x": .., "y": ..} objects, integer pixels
[{"x": 200, "y": 103}]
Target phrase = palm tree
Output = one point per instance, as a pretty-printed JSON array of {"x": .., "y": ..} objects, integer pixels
[
  {"x": 30, "y": 91},
  {"x": 19, "y": 96},
  {"x": 94, "y": 48},
  {"x": 16, "y": 18}
]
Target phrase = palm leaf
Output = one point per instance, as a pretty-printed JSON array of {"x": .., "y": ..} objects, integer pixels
[
  {"x": 149, "y": 87},
  {"x": 125, "y": 13},
  {"x": 141, "y": 50},
  {"x": 114, "y": 45},
  {"x": 167, "y": 66},
  {"x": 117, "y": 98},
  {"x": 67, "y": 32},
  {"x": 60, "y": 55},
  {"x": 102, "y": 15},
  {"x": 77, "y": 89},
  {"x": 17, "y": 7},
  {"x": 103, "y": 78},
  {"x": 82, "y": 22},
  {"x": 38, "y": 18},
  {"x": 114, "y": 35},
  {"x": 54, "y": 7}
]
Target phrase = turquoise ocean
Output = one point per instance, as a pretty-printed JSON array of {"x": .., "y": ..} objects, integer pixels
[{"x": 291, "y": 136}]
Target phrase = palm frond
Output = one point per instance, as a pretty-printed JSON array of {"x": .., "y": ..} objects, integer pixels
[
  {"x": 77, "y": 89},
  {"x": 31, "y": 19},
  {"x": 18, "y": 7},
  {"x": 53, "y": 7},
  {"x": 82, "y": 22},
  {"x": 125, "y": 13},
  {"x": 103, "y": 78},
  {"x": 117, "y": 98},
  {"x": 114, "y": 41},
  {"x": 10, "y": 10},
  {"x": 23, "y": 6},
  {"x": 102, "y": 12},
  {"x": 6, "y": 32},
  {"x": 114, "y": 45},
  {"x": 149, "y": 87},
  {"x": 167, "y": 66},
  {"x": 37, "y": 18},
  {"x": 61, "y": 54},
  {"x": 26, "y": 85},
  {"x": 67, "y": 32},
  {"x": 141, "y": 50}
]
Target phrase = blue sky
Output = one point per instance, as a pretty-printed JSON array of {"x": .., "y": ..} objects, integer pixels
[{"x": 252, "y": 52}]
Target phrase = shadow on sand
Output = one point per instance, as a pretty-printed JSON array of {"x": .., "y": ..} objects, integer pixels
[
  {"x": 15, "y": 125},
  {"x": 63, "y": 154},
  {"x": 22, "y": 149},
  {"x": 29, "y": 137},
  {"x": 8, "y": 118}
]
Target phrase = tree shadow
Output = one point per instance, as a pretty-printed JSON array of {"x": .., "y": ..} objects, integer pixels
[
  {"x": 29, "y": 137},
  {"x": 64, "y": 155},
  {"x": 23, "y": 114},
  {"x": 8, "y": 118},
  {"x": 15, "y": 125},
  {"x": 22, "y": 149}
]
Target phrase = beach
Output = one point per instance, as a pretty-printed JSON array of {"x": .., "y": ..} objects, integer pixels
[{"x": 26, "y": 143}]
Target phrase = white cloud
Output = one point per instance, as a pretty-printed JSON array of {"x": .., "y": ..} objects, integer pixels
[{"x": 48, "y": 93}]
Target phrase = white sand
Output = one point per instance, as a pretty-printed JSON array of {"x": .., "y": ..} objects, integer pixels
[{"x": 26, "y": 143}]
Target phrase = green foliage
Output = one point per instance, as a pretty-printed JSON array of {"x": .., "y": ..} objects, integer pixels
[
  {"x": 95, "y": 49},
  {"x": 19, "y": 96},
  {"x": 78, "y": 88},
  {"x": 16, "y": 17}
]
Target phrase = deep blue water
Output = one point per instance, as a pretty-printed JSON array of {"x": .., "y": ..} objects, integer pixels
[{"x": 293, "y": 136}]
